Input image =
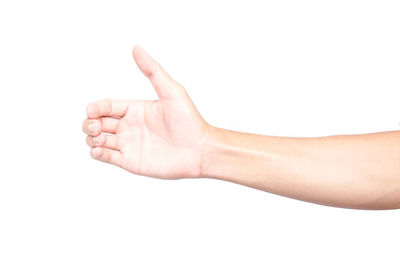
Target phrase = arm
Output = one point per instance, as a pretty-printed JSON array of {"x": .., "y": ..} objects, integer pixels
[
  {"x": 352, "y": 171},
  {"x": 167, "y": 138}
]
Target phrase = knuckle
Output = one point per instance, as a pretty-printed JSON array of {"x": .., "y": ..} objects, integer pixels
[
  {"x": 180, "y": 90},
  {"x": 98, "y": 140},
  {"x": 151, "y": 72}
]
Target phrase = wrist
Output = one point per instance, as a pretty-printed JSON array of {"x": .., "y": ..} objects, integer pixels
[
  {"x": 214, "y": 152},
  {"x": 208, "y": 149}
]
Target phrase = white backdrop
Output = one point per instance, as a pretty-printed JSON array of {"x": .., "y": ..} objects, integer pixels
[{"x": 288, "y": 68}]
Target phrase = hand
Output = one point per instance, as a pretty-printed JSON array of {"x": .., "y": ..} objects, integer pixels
[{"x": 164, "y": 138}]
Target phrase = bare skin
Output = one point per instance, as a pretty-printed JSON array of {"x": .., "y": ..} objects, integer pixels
[{"x": 167, "y": 138}]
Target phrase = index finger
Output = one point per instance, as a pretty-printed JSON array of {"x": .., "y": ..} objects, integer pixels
[{"x": 107, "y": 107}]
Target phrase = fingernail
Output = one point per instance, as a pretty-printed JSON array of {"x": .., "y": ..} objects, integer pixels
[
  {"x": 95, "y": 152},
  {"x": 91, "y": 127},
  {"x": 96, "y": 140}
]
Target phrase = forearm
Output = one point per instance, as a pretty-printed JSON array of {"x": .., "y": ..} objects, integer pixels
[{"x": 354, "y": 171}]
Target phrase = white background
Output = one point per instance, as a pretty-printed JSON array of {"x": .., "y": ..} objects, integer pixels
[{"x": 288, "y": 68}]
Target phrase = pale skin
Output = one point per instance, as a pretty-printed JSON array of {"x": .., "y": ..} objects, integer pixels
[{"x": 168, "y": 138}]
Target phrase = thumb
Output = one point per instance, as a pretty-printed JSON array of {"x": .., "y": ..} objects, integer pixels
[{"x": 164, "y": 85}]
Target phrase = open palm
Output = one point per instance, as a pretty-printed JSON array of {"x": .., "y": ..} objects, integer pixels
[{"x": 164, "y": 138}]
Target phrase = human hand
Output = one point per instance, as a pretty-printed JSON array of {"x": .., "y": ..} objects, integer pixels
[{"x": 164, "y": 138}]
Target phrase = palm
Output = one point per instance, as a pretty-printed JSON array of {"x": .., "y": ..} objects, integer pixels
[
  {"x": 163, "y": 138},
  {"x": 158, "y": 139}
]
